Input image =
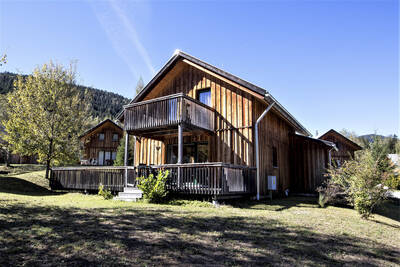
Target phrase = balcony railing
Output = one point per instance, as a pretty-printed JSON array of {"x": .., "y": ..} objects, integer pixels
[{"x": 167, "y": 112}]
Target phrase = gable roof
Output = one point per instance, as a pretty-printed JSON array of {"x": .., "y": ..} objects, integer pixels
[
  {"x": 98, "y": 126},
  {"x": 260, "y": 92},
  {"x": 333, "y": 132}
]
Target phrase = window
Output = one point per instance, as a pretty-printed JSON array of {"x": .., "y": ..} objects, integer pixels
[
  {"x": 101, "y": 136},
  {"x": 192, "y": 153},
  {"x": 274, "y": 157},
  {"x": 115, "y": 137},
  {"x": 114, "y": 155},
  {"x": 204, "y": 96}
]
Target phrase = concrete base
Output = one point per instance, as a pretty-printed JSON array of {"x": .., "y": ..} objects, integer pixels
[{"x": 129, "y": 194}]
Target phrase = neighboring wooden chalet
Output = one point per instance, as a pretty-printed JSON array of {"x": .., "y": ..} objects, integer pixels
[
  {"x": 345, "y": 147},
  {"x": 14, "y": 158},
  {"x": 100, "y": 144},
  {"x": 201, "y": 123}
]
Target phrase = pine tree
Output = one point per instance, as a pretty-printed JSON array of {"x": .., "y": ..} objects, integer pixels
[
  {"x": 119, "y": 160},
  {"x": 139, "y": 85}
]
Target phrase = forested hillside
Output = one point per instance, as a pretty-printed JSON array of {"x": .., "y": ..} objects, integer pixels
[{"x": 102, "y": 104}]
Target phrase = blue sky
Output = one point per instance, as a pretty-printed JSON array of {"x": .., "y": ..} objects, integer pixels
[{"x": 332, "y": 64}]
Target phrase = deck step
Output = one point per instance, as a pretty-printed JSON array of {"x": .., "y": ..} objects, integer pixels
[
  {"x": 130, "y": 194},
  {"x": 132, "y": 190}
]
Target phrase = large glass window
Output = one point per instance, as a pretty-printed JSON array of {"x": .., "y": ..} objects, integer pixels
[
  {"x": 192, "y": 153},
  {"x": 204, "y": 96}
]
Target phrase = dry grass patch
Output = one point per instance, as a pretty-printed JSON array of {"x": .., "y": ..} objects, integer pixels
[{"x": 76, "y": 229}]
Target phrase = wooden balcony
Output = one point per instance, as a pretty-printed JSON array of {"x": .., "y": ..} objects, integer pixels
[
  {"x": 218, "y": 180},
  {"x": 163, "y": 114}
]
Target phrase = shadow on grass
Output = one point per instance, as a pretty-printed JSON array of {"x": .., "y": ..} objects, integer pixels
[
  {"x": 19, "y": 186},
  {"x": 276, "y": 204},
  {"x": 138, "y": 236},
  {"x": 389, "y": 209}
]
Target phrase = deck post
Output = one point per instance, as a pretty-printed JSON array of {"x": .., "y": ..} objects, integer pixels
[
  {"x": 126, "y": 158},
  {"x": 180, "y": 151}
]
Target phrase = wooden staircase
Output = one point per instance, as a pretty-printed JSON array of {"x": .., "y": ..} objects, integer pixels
[{"x": 130, "y": 194}]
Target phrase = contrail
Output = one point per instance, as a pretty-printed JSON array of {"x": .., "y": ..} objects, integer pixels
[
  {"x": 120, "y": 31},
  {"x": 132, "y": 35}
]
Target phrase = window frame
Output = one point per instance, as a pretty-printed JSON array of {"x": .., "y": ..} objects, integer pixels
[
  {"x": 115, "y": 140},
  {"x": 104, "y": 136},
  {"x": 199, "y": 91}
]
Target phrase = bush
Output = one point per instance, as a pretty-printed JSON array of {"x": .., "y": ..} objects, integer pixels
[
  {"x": 361, "y": 181},
  {"x": 105, "y": 193},
  {"x": 331, "y": 193},
  {"x": 154, "y": 188}
]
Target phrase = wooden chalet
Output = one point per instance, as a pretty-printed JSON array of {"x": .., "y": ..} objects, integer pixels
[
  {"x": 217, "y": 134},
  {"x": 345, "y": 147},
  {"x": 100, "y": 144}
]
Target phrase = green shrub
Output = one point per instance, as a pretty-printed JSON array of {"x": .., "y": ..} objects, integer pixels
[
  {"x": 105, "y": 193},
  {"x": 361, "y": 180},
  {"x": 154, "y": 188}
]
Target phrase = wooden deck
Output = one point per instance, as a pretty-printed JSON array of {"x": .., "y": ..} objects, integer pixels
[
  {"x": 165, "y": 113},
  {"x": 212, "y": 179}
]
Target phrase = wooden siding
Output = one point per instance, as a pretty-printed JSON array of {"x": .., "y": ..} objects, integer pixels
[
  {"x": 236, "y": 113},
  {"x": 310, "y": 159},
  {"x": 345, "y": 148},
  {"x": 92, "y": 144}
]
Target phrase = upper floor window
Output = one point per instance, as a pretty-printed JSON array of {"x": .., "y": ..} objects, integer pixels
[
  {"x": 204, "y": 96},
  {"x": 274, "y": 157},
  {"x": 101, "y": 136},
  {"x": 115, "y": 137}
]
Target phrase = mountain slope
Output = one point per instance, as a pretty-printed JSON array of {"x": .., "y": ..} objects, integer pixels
[{"x": 102, "y": 104}]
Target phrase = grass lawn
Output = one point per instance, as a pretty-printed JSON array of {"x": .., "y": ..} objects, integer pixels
[{"x": 39, "y": 227}]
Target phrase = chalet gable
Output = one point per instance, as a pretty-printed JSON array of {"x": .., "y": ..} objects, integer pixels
[
  {"x": 181, "y": 61},
  {"x": 100, "y": 127},
  {"x": 334, "y": 135}
]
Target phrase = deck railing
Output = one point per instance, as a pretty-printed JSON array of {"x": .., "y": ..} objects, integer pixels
[
  {"x": 168, "y": 112},
  {"x": 90, "y": 177},
  {"x": 207, "y": 178},
  {"x": 217, "y": 179}
]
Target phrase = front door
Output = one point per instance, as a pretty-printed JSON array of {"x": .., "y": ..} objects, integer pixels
[
  {"x": 101, "y": 158},
  {"x": 108, "y": 158}
]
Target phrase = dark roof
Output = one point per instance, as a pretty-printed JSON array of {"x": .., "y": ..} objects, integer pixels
[
  {"x": 98, "y": 126},
  {"x": 323, "y": 142},
  {"x": 331, "y": 131},
  {"x": 256, "y": 89}
]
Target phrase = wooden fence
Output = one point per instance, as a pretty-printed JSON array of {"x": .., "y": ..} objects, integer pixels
[
  {"x": 217, "y": 179},
  {"x": 89, "y": 178}
]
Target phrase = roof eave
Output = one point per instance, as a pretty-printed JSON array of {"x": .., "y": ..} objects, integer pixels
[{"x": 289, "y": 117}]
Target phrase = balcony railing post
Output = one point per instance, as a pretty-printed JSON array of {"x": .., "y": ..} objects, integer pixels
[
  {"x": 180, "y": 151},
  {"x": 126, "y": 158}
]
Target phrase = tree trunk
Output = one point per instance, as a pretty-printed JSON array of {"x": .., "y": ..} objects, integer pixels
[
  {"x": 47, "y": 169},
  {"x": 8, "y": 158},
  {"x": 49, "y": 158}
]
